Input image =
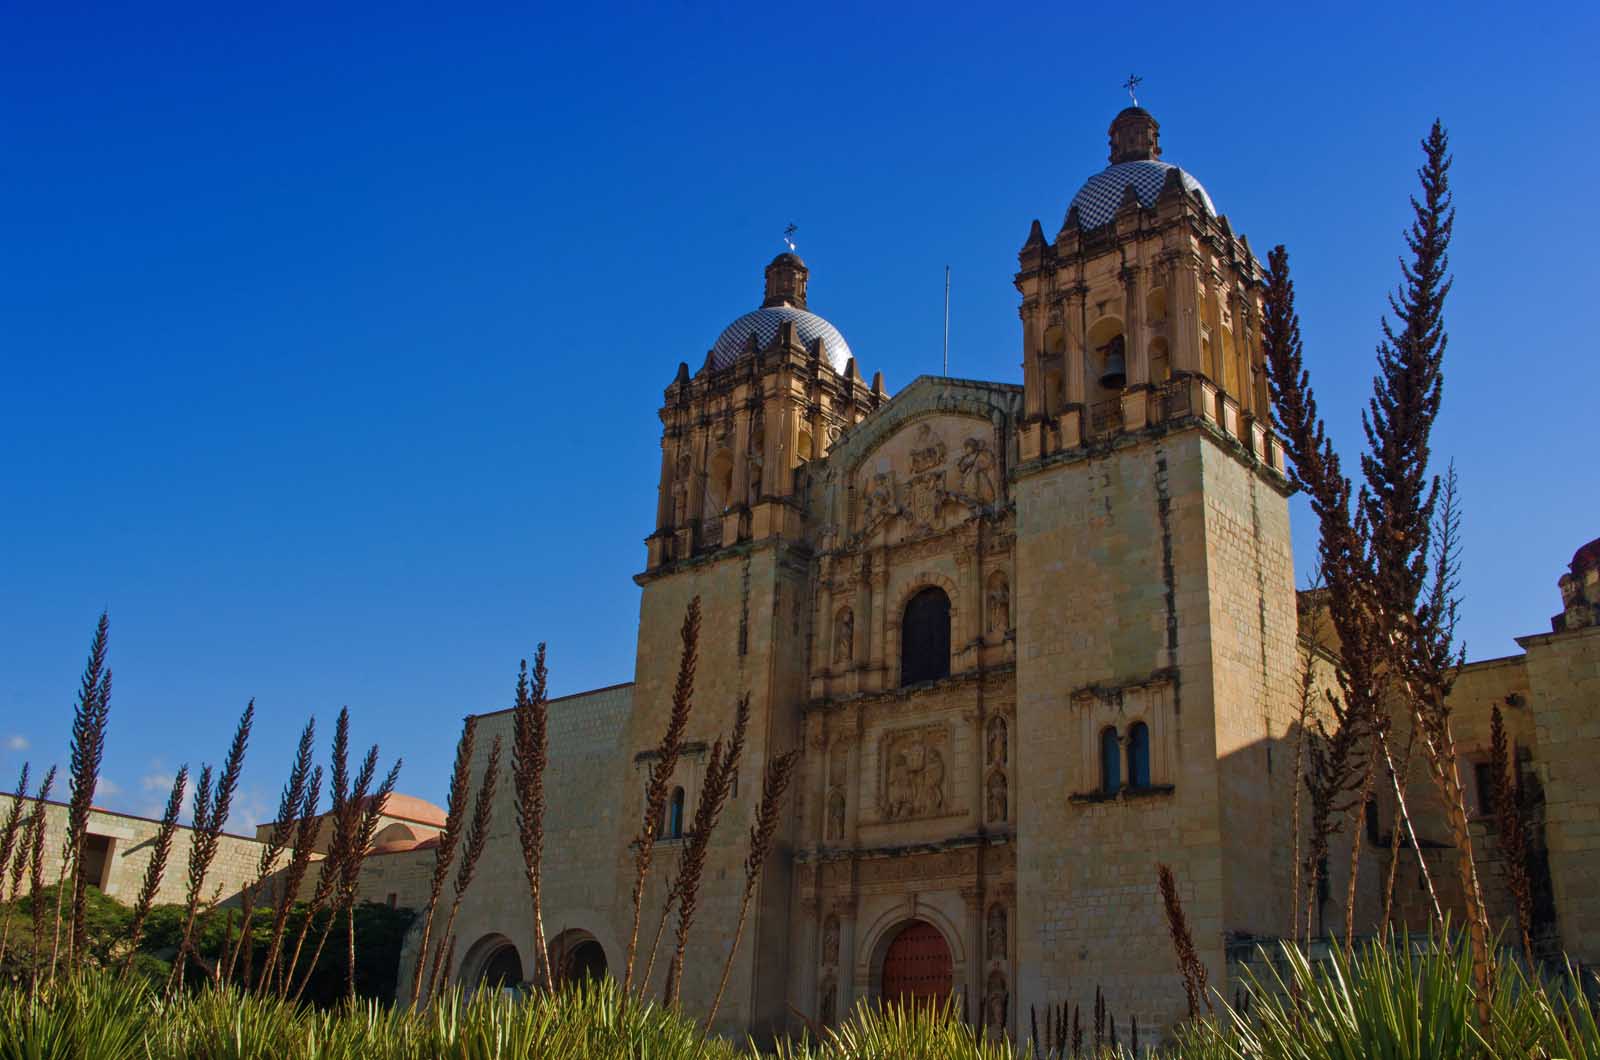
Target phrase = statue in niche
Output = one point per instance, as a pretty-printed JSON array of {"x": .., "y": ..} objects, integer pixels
[
  {"x": 999, "y": 606},
  {"x": 830, "y": 940},
  {"x": 997, "y": 797},
  {"x": 915, "y": 774},
  {"x": 977, "y": 471},
  {"x": 825, "y": 1010},
  {"x": 836, "y": 816},
  {"x": 997, "y": 933},
  {"x": 997, "y": 741},
  {"x": 844, "y": 632},
  {"x": 994, "y": 1005}
]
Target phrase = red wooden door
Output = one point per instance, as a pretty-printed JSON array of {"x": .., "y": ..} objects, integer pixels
[{"x": 917, "y": 968}]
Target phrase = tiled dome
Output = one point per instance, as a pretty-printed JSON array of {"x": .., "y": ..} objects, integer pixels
[
  {"x": 763, "y": 323},
  {"x": 1101, "y": 194}
]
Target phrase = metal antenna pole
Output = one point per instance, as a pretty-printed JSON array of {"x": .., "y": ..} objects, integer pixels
[{"x": 947, "y": 320}]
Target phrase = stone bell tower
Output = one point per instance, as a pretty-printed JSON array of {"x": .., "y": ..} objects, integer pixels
[
  {"x": 732, "y": 528},
  {"x": 1156, "y": 623}
]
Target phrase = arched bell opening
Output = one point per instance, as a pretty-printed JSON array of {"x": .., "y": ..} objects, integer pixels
[
  {"x": 492, "y": 962},
  {"x": 577, "y": 957},
  {"x": 1108, "y": 357}
]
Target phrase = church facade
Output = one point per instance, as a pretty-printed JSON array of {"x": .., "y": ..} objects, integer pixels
[{"x": 1030, "y": 640}]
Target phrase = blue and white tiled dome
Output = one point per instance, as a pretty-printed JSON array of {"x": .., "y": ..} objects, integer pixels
[
  {"x": 763, "y": 323},
  {"x": 1101, "y": 194}
]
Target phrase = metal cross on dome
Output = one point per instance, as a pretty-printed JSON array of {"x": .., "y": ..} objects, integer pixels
[
  {"x": 788, "y": 235},
  {"x": 1132, "y": 83}
]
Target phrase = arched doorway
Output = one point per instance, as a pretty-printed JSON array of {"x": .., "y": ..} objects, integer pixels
[
  {"x": 576, "y": 956},
  {"x": 917, "y": 967},
  {"x": 493, "y": 961}
]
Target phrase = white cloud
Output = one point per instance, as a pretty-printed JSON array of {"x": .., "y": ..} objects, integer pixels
[
  {"x": 106, "y": 788},
  {"x": 17, "y": 742}
]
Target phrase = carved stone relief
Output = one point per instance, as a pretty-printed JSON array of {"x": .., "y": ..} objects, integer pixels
[
  {"x": 999, "y": 604},
  {"x": 880, "y": 499},
  {"x": 912, "y": 767},
  {"x": 835, "y": 816},
  {"x": 844, "y": 632},
  {"x": 828, "y": 1003},
  {"x": 928, "y": 451},
  {"x": 977, "y": 467},
  {"x": 997, "y": 932},
  {"x": 997, "y": 797},
  {"x": 994, "y": 1004},
  {"x": 830, "y": 940},
  {"x": 997, "y": 741}
]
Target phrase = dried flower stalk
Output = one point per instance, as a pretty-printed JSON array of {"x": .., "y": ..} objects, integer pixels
[
  {"x": 779, "y": 774},
  {"x": 14, "y": 827},
  {"x": 156, "y": 867},
  {"x": 661, "y": 775},
  {"x": 477, "y": 840},
  {"x": 455, "y": 819},
  {"x": 530, "y": 753},
  {"x": 89, "y": 719},
  {"x": 1189, "y": 963},
  {"x": 1513, "y": 840}
]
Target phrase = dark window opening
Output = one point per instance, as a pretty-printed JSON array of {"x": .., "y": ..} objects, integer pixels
[
  {"x": 1483, "y": 773},
  {"x": 925, "y": 637},
  {"x": 1110, "y": 762},
  {"x": 97, "y": 859},
  {"x": 1139, "y": 755},
  {"x": 675, "y": 815}
]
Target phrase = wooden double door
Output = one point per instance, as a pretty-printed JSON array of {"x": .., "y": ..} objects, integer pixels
[{"x": 917, "y": 969}]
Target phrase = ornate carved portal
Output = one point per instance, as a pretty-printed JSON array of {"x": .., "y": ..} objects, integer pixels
[{"x": 913, "y": 766}]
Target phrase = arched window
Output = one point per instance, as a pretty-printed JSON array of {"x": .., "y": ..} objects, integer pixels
[
  {"x": 1110, "y": 762},
  {"x": 675, "y": 815},
  {"x": 925, "y": 637},
  {"x": 1139, "y": 755}
]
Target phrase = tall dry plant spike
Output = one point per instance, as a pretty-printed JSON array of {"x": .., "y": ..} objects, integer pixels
[
  {"x": 355, "y": 857},
  {"x": 1358, "y": 811},
  {"x": 1416, "y": 559},
  {"x": 327, "y": 871},
  {"x": 289, "y": 800},
  {"x": 530, "y": 753},
  {"x": 346, "y": 835},
  {"x": 477, "y": 840},
  {"x": 156, "y": 867},
  {"x": 307, "y": 823},
  {"x": 210, "y": 815},
  {"x": 455, "y": 820},
  {"x": 1189, "y": 962},
  {"x": 1513, "y": 840},
  {"x": 780, "y": 772},
  {"x": 708, "y": 811},
  {"x": 89, "y": 718},
  {"x": 661, "y": 776},
  {"x": 14, "y": 827},
  {"x": 36, "y": 880}
]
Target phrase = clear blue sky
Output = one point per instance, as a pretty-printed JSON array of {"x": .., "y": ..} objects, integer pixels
[{"x": 332, "y": 341}]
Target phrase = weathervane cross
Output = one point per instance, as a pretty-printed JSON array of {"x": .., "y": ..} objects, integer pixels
[
  {"x": 1133, "y": 82},
  {"x": 788, "y": 235}
]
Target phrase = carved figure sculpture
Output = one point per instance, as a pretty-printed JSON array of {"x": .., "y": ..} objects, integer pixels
[
  {"x": 915, "y": 774},
  {"x": 977, "y": 471},
  {"x": 844, "y": 632},
  {"x": 753, "y": 465},
  {"x": 997, "y": 933},
  {"x": 999, "y": 606},
  {"x": 997, "y": 741},
  {"x": 830, "y": 940},
  {"x": 880, "y": 498},
  {"x": 994, "y": 1005},
  {"x": 825, "y": 1010},
  {"x": 902, "y": 790},
  {"x": 836, "y": 816},
  {"x": 997, "y": 797}
]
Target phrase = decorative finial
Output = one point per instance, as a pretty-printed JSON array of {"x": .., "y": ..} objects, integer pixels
[
  {"x": 1132, "y": 83},
  {"x": 788, "y": 235}
]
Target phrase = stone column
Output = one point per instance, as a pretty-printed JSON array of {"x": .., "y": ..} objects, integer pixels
[
  {"x": 1133, "y": 329},
  {"x": 855, "y": 786},
  {"x": 808, "y": 933},
  {"x": 850, "y": 962},
  {"x": 1075, "y": 366},
  {"x": 1032, "y": 344},
  {"x": 1183, "y": 315},
  {"x": 664, "y": 489},
  {"x": 888, "y": 669},
  {"x": 739, "y": 492},
  {"x": 977, "y": 958}
]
